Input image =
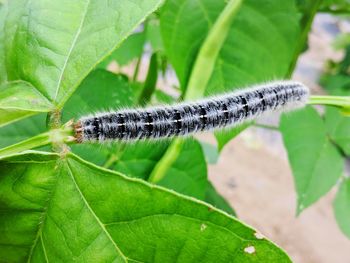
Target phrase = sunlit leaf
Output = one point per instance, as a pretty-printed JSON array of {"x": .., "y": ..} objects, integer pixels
[
  {"x": 18, "y": 99},
  {"x": 64, "y": 209},
  {"x": 54, "y": 46},
  {"x": 316, "y": 162},
  {"x": 341, "y": 207}
]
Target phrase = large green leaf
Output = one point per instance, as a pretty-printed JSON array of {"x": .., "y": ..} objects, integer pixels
[
  {"x": 341, "y": 206},
  {"x": 315, "y": 161},
  {"x": 259, "y": 47},
  {"x": 225, "y": 136},
  {"x": 64, "y": 209},
  {"x": 54, "y": 46},
  {"x": 18, "y": 99}
]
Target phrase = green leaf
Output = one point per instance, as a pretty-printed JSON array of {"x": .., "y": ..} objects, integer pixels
[
  {"x": 338, "y": 84},
  {"x": 64, "y": 209},
  {"x": 315, "y": 161},
  {"x": 55, "y": 46},
  {"x": 89, "y": 99},
  {"x": 341, "y": 207},
  {"x": 188, "y": 175},
  {"x": 225, "y": 136},
  {"x": 3, "y": 74},
  {"x": 18, "y": 99},
  {"x": 153, "y": 34},
  {"x": 130, "y": 49},
  {"x": 338, "y": 127},
  {"x": 269, "y": 38}
]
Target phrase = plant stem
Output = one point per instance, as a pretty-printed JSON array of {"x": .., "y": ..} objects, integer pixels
[
  {"x": 205, "y": 62},
  {"x": 342, "y": 102},
  {"x": 110, "y": 161},
  {"x": 306, "y": 23},
  {"x": 137, "y": 68},
  {"x": 151, "y": 81},
  {"x": 167, "y": 160},
  {"x": 265, "y": 126},
  {"x": 201, "y": 73},
  {"x": 34, "y": 142},
  {"x": 55, "y": 136}
]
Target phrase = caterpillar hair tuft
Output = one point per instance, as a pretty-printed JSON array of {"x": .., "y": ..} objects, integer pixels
[{"x": 187, "y": 118}]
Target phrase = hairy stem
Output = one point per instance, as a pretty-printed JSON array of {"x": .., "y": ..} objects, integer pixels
[{"x": 201, "y": 73}]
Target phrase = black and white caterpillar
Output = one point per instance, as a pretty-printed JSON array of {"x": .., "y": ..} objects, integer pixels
[{"x": 187, "y": 118}]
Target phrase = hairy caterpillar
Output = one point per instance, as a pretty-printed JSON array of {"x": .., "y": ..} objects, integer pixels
[{"x": 190, "y": 117}]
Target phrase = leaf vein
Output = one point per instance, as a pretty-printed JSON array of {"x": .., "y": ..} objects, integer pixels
[{"x": 102, "y": 225}]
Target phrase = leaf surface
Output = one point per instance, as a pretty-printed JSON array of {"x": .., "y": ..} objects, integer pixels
[
  {"x": 19, "y": 99},
  {"x": 341, "y": 207},
  {"x": 54, "y": 46},
  {"x": 58, "y": 209},
  {"x": 188, "y": 175},
  {"x": 130, "y": 49},
  {"x": 315, "y": 161}
]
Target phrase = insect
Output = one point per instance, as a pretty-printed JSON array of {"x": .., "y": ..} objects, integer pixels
[{"x": 187, "y": 118}]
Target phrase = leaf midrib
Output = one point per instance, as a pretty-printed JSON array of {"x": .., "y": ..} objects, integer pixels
[{"x": 75, "y": 39}]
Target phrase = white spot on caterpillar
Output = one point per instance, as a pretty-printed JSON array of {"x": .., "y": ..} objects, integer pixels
[
  {"x": 259, "y": 235},
  {"x": 249, "y": 250},
  {"x": 203, "y": 227}
]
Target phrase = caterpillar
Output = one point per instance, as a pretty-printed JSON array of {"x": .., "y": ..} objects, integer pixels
[{"x": 188, "y": 118}]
